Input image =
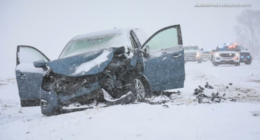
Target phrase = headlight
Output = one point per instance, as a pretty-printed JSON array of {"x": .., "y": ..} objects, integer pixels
[
  {"x": 237, "y": 54},
  {"x": 198, "y": 54},
  {"x": 217, "y": 54}
]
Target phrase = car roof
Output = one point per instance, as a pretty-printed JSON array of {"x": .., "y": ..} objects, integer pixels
[
  {"x": 141, "y": 34},
  {"x": 104, "y": 32}
]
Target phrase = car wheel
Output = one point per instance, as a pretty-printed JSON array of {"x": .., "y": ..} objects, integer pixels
[
  {"x": 238, "y": 64},
  {"x": 213, "y": 62},
  {"x": 199, "y": 61},
  {"x": 140, "y": 88},
  {"x": 248, "y": 63}
]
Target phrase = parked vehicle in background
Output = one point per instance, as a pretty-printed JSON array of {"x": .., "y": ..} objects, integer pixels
[
  {"x": 227, "y": 54},
  {"x": 192, "y": 54},
  {"x": 205, "y": 55},
  {"x": 245, "y": 56},
  {"x": 113, "y": 62}
]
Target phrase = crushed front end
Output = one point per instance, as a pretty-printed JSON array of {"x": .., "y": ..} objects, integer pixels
[{"x": 59, "y": 91}]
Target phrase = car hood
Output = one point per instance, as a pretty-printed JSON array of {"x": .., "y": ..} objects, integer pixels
[
  {"x": 245, "y": 51},
  {"x": 83, "y": 64}
]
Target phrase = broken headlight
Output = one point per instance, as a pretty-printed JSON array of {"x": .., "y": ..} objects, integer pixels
[{"x": 47, "y": 83}]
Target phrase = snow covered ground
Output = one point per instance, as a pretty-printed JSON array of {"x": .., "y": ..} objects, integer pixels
[{"x": 183, "y": 119}]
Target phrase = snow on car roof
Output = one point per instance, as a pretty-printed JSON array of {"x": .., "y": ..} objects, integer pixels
[
  {"x": 141, "y": 34},
  {"x": 103, "y": 32}
]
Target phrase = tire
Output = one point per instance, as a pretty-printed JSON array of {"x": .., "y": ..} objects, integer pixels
[
  {"x": 238, "y": 64},
  {"x": 213, "y": 62},
  {"x": 140, "y": 88},
  {"x": 199, "y": 61},
  {"x": 248, "y": 63},
  {"x": 25, "y": 103}
]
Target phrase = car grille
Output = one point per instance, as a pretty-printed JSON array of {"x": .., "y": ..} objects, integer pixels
[
  {"x": 227, "y": 55},
  {"x": 244, "y": 54},
  {"x": 190, "y": 54},
  {"x": 68, "y": 85}
]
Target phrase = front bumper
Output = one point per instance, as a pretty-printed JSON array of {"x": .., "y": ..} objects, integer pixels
[
  {"x": 51, "y": 102},
  {"x": 245, "y": 60},
  {"x": 192, "y": 58},
  {"x": 227, "y": 60}
]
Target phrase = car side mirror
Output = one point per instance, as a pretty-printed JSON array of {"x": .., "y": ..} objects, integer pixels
[
  {"x": 201, "y": 49},
  {"x": 247, "y": 49},
  {"x": 214, "y": 50},
  {"x": 40, "y": 64}
]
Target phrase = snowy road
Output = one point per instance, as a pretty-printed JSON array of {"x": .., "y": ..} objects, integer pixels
[{"x": 190, "y": 120}]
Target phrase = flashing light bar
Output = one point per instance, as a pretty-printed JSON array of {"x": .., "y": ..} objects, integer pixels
[{"x": 231, "y": 43}]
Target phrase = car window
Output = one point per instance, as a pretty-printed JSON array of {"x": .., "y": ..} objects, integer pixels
[
  {"x": 241, "y": 47},
  {"x": 29, "y": 55},
  {"x": 164, "y": 39}
]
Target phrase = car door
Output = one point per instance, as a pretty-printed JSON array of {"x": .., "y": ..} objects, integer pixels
[
  {"x": 28, "y": 77},
  {"x": 164, "y": 66}
]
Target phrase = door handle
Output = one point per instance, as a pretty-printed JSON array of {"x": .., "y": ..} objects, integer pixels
[
  {"x": 176, "y": 56},
  {"x": 164, "y": 53}
]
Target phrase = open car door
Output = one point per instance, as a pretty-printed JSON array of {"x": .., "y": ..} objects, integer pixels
[
  {"x": 28, "y": 77},
  {"x": 164, "y": 62}
]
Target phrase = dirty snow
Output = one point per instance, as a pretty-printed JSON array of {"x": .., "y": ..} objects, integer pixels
[{"x": 182, "y": 119}]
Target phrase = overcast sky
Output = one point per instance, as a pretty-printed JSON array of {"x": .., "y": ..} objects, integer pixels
[{"x": 49, "y": 24}]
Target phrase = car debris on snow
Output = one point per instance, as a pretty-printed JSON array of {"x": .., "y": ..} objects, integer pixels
[
  {"x": 208, "y": 86},
  {"x": 214, "y": 98},
  {"x": 256, "y": 113},
  {"x": 165, "y": 106}
]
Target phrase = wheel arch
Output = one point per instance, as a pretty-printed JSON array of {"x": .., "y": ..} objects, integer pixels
[{"x": 144, "y": 79}]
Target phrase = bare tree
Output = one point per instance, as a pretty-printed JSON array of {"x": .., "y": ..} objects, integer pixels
[{"x": 248, "y": 30}]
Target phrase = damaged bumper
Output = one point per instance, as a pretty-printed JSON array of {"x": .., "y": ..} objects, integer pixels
[{"x": 52, "y": 102}]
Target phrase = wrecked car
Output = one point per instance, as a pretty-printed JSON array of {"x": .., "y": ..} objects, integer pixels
[{"x": 114, "y": 62}]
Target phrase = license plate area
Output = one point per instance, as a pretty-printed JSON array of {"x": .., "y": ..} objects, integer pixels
[{"x": 227, "y": 58}]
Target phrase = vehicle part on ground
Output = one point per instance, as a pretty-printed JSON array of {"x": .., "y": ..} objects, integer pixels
[
  {"x": 208, "y": 86},
  {"x": 214, "y": 98}
]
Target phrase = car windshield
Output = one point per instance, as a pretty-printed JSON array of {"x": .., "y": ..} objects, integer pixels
[
  {"x": 228, "y": 48},
  {"x": 206, "y": 52},
  {"x": 84, "y": 45},
  {"x": 241, "y": 47},
  {"x": 191, "y": 48}
]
